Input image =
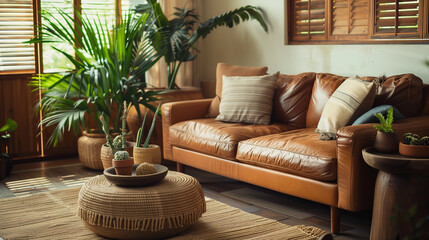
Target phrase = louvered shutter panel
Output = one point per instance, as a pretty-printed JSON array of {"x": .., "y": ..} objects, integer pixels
[
  {"x": 397, "y": 18},
  {"x": 105, "y": 9},
  {"x": 308, "y": 19},
  {"x": 16, "y": 26},
  {"x": 350, "y": 17}
]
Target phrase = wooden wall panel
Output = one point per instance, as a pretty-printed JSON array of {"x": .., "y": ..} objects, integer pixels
[{"x": 17, "y": 102}]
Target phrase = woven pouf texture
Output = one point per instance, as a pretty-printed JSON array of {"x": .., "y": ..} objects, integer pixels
[{"x": 153, "y": 212}]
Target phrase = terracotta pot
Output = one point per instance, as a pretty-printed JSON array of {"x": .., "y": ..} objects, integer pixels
[
  {"x": 107, "y": 156},
  {"x": 416, "y": 151},
  {"x": 151, "y": 154},
  {"x": 386, "y": 142},
  {"x": 123, "y": 167},
  {"x": 134, "y": 123}
]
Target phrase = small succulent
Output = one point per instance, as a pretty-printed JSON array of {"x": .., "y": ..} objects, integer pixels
[
  {"x": 424, "y": 141},
  {"x": 121, "y": 155},
  {"x": 386, "y": 123},
  {"x": 414, "y": 139}
]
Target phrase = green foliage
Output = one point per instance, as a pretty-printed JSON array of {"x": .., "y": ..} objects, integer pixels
[
  {"x": 108, "y": 69},
  {"x": 121, "y": 155},
  {"x": 9, "y": 126},
  {"x": 120, "y": 141},
  {"x": 176, "y": 37},
  {"x": 414, "y": 139},
  {"x": 386, "y": 123},
  {"x": 152, "y": 127}
]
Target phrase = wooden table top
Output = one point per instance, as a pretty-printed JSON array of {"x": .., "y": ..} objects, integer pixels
[{"x": 395, "y": 163}]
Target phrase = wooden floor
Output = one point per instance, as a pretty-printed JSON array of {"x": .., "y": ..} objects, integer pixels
[{"x": 68, "y": 173}]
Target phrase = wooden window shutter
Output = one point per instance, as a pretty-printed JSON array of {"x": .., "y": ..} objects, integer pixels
[
  {"x": 398, "y": 18},
  {"x": 308, "y": 20},
  {"x": 350, "y": 17},
  {"x": 16, "y": 26},
  {"x": 426, "y": 18}
]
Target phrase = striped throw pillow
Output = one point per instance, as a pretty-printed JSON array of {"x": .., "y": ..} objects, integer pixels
[
  {"x": 341, "y": 106},
  {"x": 247, "y": 99}
]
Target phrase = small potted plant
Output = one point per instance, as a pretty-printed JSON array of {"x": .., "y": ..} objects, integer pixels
[
  {"x": 386, "y": 140},
  {"x": 118, "y": 143},
  {"x": 146, "y": 152},
  {"x": 414, "y": 146},
  {"x": 123, "y": 163}
]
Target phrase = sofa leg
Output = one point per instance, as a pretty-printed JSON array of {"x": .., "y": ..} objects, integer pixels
[
  {"x": 335, "y": 220},
  {"x": 180, "y": 167}
]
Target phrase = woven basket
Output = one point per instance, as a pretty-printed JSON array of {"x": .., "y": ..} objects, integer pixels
[
  {"x": 89, "y": 149},
  {"x": 151, "y": 154},
  {"x": 107, "y": 156}
]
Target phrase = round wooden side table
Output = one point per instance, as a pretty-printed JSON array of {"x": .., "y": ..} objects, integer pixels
[{"x": 402, "y": 186}]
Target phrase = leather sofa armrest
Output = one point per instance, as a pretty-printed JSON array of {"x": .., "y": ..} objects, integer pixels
[
  {"x": 355, "y": 178},
  {"x": 175, "y": 112}
]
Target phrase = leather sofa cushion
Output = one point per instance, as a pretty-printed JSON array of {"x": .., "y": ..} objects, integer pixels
[
  {"x": 298, "y": 152},
  {"x": 291, "y": 98},
  {"x": 230, "y": 70},
  {"x": 324, "y": 86},
  {"x": 218, "y": 138},
  {"x": 405, "y": 92}
]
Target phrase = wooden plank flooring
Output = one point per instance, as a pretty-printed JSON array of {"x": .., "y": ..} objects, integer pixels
[{"x": 28, "y": 179}]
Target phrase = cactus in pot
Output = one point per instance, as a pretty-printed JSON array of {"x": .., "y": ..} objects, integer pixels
[
  {"x": 123, "y": 163},
  {"x": 146, "y": 152},
  {"x": 119, "y": 143},
  {"x": 414, "y": 146}
]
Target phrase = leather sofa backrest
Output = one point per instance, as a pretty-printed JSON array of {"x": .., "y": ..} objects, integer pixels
[
  {"x": 405, "y": 92},
  {"x": 323, "y": 88},
  {"x": 425, "y": 108},
  {"x": 291, "y": 98}
]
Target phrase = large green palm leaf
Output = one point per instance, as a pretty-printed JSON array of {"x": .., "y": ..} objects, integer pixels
[{"x": 109, "y": 65}]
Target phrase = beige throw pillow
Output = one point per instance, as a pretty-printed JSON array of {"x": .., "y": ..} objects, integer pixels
[
  {"x": 341, "y": 106},
  {"x": 247, "y": 99}
]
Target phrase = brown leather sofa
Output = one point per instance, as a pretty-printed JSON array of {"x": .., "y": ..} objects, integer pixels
[{"x": 287, "y": 155}]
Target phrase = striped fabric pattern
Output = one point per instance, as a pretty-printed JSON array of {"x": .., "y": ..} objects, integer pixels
[
  {"x": 341, "y": 106},
  {"x": 247, "y": 99}
]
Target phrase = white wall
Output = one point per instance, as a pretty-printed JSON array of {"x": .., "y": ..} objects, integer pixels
[{"x": 247, "y": 44}]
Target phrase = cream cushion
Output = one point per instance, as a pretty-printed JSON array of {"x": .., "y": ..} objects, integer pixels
[
  {"x": 247, "y": 99},
  {"x": 342, "y": 105}
]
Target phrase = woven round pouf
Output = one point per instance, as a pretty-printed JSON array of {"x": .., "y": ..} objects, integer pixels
[{"x": 159, "y": 211}]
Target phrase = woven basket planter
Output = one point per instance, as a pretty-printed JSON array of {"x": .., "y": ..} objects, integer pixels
[
  {"x": 107, "y": 156},
  {"x": 89, "y": 149},
  {"x": 151, "y": 154}
]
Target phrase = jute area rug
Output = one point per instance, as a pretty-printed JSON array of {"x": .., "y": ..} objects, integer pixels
[{"x": 52, "y": 215}]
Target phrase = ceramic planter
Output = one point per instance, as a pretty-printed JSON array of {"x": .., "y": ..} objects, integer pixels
[
  {"x": 123, "y": 167},
  {"x": 151, "y": 154},
  {"x": 386, "y": 142},
  {"x": 107, "y": 156},
  {"x": 417, "y": 151}
]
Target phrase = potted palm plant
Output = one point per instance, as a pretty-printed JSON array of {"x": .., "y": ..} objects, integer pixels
[{"x": 108, "y": 69}]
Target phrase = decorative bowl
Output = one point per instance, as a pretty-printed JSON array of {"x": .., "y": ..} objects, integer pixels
[
  {"x": 416, "y": 151},
  {"x": 136, "y": 180}
]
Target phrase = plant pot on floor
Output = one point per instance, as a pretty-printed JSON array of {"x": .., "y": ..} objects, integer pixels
[
  {"x": 386, "y": 142},
  {"x": 151, "y": 154},
  {"x": 107, "y": 156},
  {"x": 123, "y": 167}
]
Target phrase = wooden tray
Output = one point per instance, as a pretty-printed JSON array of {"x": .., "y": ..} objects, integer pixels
[{"x": 136, "y": 180}]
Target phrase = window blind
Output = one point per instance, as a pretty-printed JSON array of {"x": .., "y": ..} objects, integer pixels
[
  {"x": 397, "y": 18},
  {"x": 350, "y": 17},
  {"x": 16, "y": 26},
  {"x": 104, "y": 9},
  {"x": 308, "y": 17}
]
